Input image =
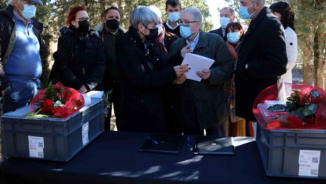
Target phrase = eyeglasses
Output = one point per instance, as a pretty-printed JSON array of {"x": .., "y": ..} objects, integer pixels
[
  {"x": 83, "y": 18},
  {"x": 147, "y": 27},
  {"x": 186, "y": 23}
]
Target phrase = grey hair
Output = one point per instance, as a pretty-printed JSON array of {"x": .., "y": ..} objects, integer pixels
[
  {"x": 196, "y": 14},
  {"x": 156, "y": 10},
  {"x": 261, "y": 1},
  {"x": 143, "y": 15}
]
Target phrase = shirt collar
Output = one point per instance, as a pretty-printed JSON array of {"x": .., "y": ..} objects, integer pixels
[
  {"x": 171, "y": 27},
  {"x": 193, "y": 43}
]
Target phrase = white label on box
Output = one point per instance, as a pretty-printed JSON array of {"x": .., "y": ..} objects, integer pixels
[
  {"x": 309, "y": 163},
  {"x": 36, "y": 146},
  {"x": 85, "y": 133}
]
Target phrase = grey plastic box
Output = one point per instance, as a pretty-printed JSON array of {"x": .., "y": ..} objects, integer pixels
[
  {"x": 53, "y": 139},
  {"x": 280, "y": 152}
]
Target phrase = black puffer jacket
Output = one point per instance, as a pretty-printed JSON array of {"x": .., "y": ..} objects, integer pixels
[
  {"x": 8, "y": 39},
  {"x": 79, "y": 60}
]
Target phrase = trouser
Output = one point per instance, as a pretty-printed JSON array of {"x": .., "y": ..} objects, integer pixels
[
  {"x": 18, "y": 94},
  {"x": 115, "y": 100}
]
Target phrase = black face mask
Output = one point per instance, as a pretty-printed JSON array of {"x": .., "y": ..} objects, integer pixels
[
  {"x": 112, "y": 24},
  {"x": 153, "y": 34},
  {"x": 83, "y": 26}
]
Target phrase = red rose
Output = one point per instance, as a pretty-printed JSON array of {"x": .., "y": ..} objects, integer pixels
[
  {"x": 274, "y": 125},
  {"x": 47, "y": 107},
  {"x": 295, "y": 122}
]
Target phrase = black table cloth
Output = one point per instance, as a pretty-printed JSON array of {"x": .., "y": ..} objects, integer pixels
[{"x": 113, "y": 158}]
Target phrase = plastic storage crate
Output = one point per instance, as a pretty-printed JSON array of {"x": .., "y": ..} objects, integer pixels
[
  {"x": 52, "y": 139},
  {"x": 293, "y": 153}
]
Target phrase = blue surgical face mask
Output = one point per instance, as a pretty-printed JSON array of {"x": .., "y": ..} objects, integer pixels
[
  {"x": 174, "y": 16},
  {"x": 224, "y": 21},
  {"x": 243, "y": 12},
  {"x": 29, "y": 11},
  {"x": 185, "y": 31},
  {"x": 233, "y": 37}
]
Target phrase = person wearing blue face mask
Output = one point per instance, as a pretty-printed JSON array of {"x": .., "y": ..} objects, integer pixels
[
  {"x": 227, "y": 15},
  {"x": 173, "y": 9},
  {"x": 20, "y": 47},
  {"x": 234, "y": 35},
  {"x": 262, "y": 56},
  {"x": 203, "y": 104}
]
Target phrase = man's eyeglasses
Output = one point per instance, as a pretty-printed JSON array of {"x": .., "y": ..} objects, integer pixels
[{"x": 186, "y": 23}]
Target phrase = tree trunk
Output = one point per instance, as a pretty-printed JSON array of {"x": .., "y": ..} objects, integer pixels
[{"x": 307, "y": 69}]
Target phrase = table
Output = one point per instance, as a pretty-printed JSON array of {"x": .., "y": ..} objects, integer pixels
[{"x": 113, "y": 158}]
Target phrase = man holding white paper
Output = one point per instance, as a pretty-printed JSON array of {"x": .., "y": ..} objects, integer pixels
[{"x": 203, "y": 99}]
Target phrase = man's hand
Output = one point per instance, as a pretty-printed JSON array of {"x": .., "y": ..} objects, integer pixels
[
  {"x": 180, "y": 70},
  {"x": 205, "y": 74},
  {"x": 185, "y": 50},
  {"x": 83, "y": 89},
  {"x": 3, "y": 92},
  {"x": 180, "y": 80}
]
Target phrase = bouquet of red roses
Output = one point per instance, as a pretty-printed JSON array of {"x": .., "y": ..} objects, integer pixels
[
  {"x": 56, "y": 100},
  {"x": 305, "y": 108}
]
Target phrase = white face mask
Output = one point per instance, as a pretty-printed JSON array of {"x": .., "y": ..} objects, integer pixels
[{"x": 160, "y": 28}]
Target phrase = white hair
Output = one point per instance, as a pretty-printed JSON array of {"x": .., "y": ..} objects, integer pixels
[
  {"x": 143, "y": 15},
  {"x": 156, "y": 10},
  {"x": 195, "y": 13}
]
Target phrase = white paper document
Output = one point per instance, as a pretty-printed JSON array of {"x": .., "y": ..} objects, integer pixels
[
  {"x": 309, "y": 163},
  {"x": 36, "y": 147},
  {"x": 196, "y": 63}
]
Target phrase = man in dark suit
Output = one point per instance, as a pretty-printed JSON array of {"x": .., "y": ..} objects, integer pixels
[
  {"x": 203, "y": 104},
  {"x": 226, "y": 16},
  {"x": 261, "y": 56}
]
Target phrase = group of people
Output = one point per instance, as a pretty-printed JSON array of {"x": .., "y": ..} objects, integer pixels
[{"x": 142, "y": 67}]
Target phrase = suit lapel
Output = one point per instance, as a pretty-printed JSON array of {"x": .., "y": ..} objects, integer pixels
[
  {"x": 253, "y": 26},
  {"x": 202, "y": 42}
]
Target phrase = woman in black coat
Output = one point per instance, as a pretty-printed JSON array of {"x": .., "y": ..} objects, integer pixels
[
  {"x": 144, "y": 75},
  {"x": 79, "y": 60}
]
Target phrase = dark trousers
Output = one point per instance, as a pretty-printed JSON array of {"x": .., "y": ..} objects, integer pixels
[
  {"x": 191, "y": 126},
  {"x": 18, "y": 94},
  {"x": 115, "y": 99}
]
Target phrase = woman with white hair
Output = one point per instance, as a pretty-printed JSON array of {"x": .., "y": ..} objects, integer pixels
[{"x": 144, "y": 75}]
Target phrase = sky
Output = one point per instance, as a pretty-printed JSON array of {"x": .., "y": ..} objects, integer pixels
[{"x": 213, "y": 9}]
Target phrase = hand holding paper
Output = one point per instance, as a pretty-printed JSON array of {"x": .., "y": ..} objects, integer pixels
[
  {"x": 205, "y": 74},
  {"x": 181, "y": 70},
  {"x": 199, "y": 66}
]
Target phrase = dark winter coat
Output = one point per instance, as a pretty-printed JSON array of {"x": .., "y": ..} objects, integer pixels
[
  {"x": 261, "y": 60},
  {"x": 219, "y": 31},
  {"x": 144, "y": 75},
  {"x": 204, "y": 103},
  {"x": 79, "y": 60}
]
